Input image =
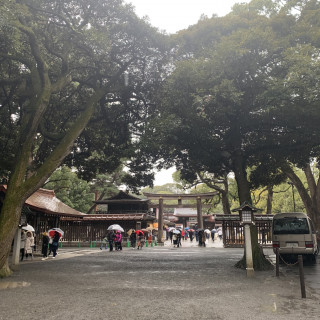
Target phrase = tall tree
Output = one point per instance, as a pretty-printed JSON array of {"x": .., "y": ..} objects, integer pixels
[{"x": 62, "y": 64}]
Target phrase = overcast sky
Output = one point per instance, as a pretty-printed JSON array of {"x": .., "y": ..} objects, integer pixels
[{"x": 175, "y": 15}]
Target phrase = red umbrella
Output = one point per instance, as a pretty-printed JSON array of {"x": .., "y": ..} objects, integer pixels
[
  {"x": 139, "y": 231},
  {"x": 52, "y": 231}
]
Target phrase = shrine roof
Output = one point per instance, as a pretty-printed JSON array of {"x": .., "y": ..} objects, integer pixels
[
  {"x": 46, "y": 201},
  {"x": 113, "y": 217},
  {"x": 121, "y": 197}
]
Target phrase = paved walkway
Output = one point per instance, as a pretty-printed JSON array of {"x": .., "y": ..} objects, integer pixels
[{"x": 153, "y": 284}]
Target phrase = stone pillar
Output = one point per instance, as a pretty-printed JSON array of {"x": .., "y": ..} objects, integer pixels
[
  {"x": 248, "y": 248},
  {"x": 16, "y": 247},
  {"x": 199, "y": 213},
  {"x": 160, "y": 220}
]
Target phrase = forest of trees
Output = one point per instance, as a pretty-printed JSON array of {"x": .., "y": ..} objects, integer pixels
[{"x": 232, "y": 102}]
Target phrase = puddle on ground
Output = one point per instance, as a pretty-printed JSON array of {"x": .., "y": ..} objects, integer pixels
[{"x": 12, "y": 285}]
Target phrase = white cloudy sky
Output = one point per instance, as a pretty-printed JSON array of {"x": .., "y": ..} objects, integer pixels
[{"x": 175, "y": 15}]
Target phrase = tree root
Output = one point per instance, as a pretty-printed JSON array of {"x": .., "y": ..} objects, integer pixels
[{"x": 5, "y": 271}]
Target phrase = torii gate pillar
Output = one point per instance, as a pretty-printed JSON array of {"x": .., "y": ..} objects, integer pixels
[
  {"x": 160, "y": 221},
  {"x": 199, "y": 213}
]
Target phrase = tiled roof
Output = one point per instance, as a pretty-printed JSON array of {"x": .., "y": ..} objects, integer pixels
[
  {"x": 45, "y": 200},
  {"x": 113, "y": 217}
]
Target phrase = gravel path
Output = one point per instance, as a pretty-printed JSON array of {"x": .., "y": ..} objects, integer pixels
[{"x": 153, "y": 283}]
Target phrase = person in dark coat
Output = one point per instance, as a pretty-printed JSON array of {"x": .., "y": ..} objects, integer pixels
[
  {"x": 111, "y": 236},
  {"x": 55, "y": 243},
  {"x": 191, "y": 235},
  {"x": 45, "y": 243},
  {"x": 133, "y": 239}
]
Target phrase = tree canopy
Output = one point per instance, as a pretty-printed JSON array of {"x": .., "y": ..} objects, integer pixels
[{"x": 76, "y": 77}]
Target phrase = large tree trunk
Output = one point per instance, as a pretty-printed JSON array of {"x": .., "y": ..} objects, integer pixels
[
  {"x": 9, "y": 221},
  {"x": 259, "y": 260},
  {"x": 225, "y": 203},
  {"x": 242, "y": 180},
  {"x": 20, "y": 187},
  {"x": 260, "y": 263},
  {"x": 269, "y": 200}
]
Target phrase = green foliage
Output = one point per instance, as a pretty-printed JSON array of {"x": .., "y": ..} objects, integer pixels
[{"x": 70, "y": 189}]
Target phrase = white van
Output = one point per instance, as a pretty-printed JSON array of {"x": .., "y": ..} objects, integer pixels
[{"x": 294, "y": 234}]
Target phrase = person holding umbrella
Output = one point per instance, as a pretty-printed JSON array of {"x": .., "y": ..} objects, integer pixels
[
  {"x": 45, "y": 242},
  {"x": 111, "y": 237},
  {"x": 28, "y": 246},
  {"x": 140, "y": 239},
  {"x": 117, "y": 240},
  {"x": 22, "y": 244},
  {"x": 55, "y": 243},
  {"x": 133, "y": 239}
]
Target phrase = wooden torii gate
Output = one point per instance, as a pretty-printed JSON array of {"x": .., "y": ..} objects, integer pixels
[{"x": 179, "y": 196}]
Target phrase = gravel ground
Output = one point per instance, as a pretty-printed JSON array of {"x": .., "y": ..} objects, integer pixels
[{"x": 153, "y": 283}]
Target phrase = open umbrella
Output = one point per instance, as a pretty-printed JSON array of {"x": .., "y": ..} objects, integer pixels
[
  {"x": 115, "y": 227},
  {"x": 190, "y": 230},
  {"x": 52, "y": 231},
  {"x": 187, "y": 228},
  {"x": 28, "y": 228},
  {"x": 139, "y": 231},
  {"x": 207, "y": 231},
  {"x": 171, "y": 229},
  {"x": 129, "y": 232},
  {"x": 176, "y": 231}
]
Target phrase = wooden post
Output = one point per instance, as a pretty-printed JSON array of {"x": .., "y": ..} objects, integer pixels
[
  {"x": 199, "y": 213},
  {"x": 249, "y": 260},
  {"x": 302, "y": 284},
  {"x": 160, "y": 220},
  {"x": 277, "y": 263}
]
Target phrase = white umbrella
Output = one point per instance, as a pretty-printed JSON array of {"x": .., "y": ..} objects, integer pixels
[
  {"x": 176, "y": 231},
  {"x": 28, "y": 228},
  {"x": 207, "y": 231},
  {"x": 171, "y": 229},
  {"x": 115, "y": 227}
]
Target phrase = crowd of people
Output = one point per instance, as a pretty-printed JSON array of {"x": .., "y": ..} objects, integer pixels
[
  {"x": 201, "y": 235},
  {"x": 137, "y": 238},
  {"x": 49, "y": 243},
  {"x": 113, "y": 240}
]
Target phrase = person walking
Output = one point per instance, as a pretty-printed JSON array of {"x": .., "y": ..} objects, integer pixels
[
  {"x": 140, "y": 240},
  {"x": 118, "y": 240},
  {"x": 104, "y": 243},
  {"x": 55, "y": 243},
  {"x": 201, "y": 237},
  {"x": 22, "y": 244},
  {"x": 133, "y": 239},
  {"x": 220, "y": 233},
  {"x": 44, "y": 249},
  {"x": 191, "y": 235},
  {"x": 179, "y": 236},
  {"x": 28, "y": 246},
  {"x": 110, "y": 237},
  {"x": 171, "y": 236},
  {"x": 213, "y": 233}
]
